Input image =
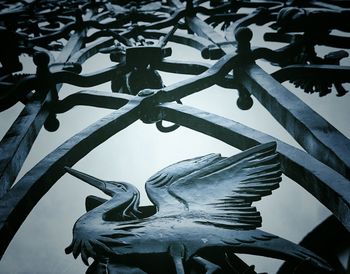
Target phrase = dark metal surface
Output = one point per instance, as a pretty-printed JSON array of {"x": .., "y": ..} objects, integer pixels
[
  {"x": 201, "y": 203},
  {"x": 58, "y": 37}
]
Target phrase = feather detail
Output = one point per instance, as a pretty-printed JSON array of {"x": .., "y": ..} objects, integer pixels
[{"x": 224, "y": 190}]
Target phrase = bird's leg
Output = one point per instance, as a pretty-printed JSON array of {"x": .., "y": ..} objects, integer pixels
[
  {"x": 98, "y": 267},
  {"x": 177, "y": 252},
  {"x": 209, "y": 267}
]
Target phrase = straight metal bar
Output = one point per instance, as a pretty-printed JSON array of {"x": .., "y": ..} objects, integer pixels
[
  {"x": 310, "y": 130},
  {"x": 204, "y": 30}
]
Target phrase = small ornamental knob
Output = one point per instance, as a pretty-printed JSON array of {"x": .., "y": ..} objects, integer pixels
[
  {"x": 244, "y": 103},
  {"x": 41, "y": 59},
  {"x": 51, "y": 124},
  {"x": 243, "y": 35},
  {"x": 78, "y": 15}
]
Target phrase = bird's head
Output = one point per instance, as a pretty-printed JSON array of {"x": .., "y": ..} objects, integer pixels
[
  {"x": 127, "y": 194},
  {"x": 110, "y": 188}
]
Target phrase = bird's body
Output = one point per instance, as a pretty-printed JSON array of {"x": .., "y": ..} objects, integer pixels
[
  {"x": 158, "y": 235},
  {"x": 202, "y": 203}
]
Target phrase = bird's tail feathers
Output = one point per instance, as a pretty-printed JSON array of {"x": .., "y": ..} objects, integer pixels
[{"x": 258, "y": 242}]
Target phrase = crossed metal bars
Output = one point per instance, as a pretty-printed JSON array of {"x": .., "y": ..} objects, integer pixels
[{"x": 323, "y": 170}]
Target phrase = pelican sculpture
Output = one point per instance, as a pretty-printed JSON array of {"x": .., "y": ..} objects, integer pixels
[{"x": 201, "y": 204}]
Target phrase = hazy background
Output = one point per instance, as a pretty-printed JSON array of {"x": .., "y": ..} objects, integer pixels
[{"x": 136, "y": 153}]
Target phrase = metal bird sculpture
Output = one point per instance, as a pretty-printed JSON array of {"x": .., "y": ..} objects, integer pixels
[{"x": 201, "y": 204}]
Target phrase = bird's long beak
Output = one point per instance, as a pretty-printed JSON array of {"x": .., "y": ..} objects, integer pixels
[{"x": 98, "y": 183}]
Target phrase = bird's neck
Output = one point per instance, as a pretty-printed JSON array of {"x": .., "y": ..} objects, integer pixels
[
  {"x": 111, "y": 210},
  {"x": 173, "y": 206}
]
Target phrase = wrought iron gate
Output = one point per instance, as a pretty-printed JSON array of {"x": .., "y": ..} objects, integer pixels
[{"x": 59, "y": 36}]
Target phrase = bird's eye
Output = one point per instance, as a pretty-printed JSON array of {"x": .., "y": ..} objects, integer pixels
[{"x": 119, "y": 186}]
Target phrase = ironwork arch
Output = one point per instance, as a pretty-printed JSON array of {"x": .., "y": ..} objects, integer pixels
[{"x": 135, "y": 36}]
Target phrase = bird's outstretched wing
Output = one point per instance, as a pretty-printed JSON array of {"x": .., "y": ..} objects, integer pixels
[
  {"x": 222, "y": 192},
  {"x": 157, "y": 186}
]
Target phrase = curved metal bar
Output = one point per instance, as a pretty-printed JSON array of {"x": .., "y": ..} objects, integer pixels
[
  {"x": 327, "y": 240},
  {"x": 124, "y": 20},
  {"x": 182, "y": 67},
  {"x": 92, "y": 79},
  {"x": 16, "y": 204},
  {"x": 324, "y": 4},
  {"x": 53, "y": 36},
  {"x": 326, "y": 185},
  {"x": 281, "y": 37},
  {"x": 209, "y": 50},
  {"x": 323, "y": 171},
  {"x": 334, "y": 41},
  {"x": 87, "y": 52},
  {"x": 222, "y": 17},
  {"x": 176, "y": 3},
  {"x": 204, "y": 30},
  {"x": 17, "y": 92},
  {"x": 329, "y": 40},
  {"x": 273, "y": 56},
  {"x": 206, "y": 79},
  {"x": 20, "y": 137},
  {"x": 13, "y": 13},
  {"x": 101, "y": 16},
  {"x": 165, "y": 129},
  {"x": 93, "y": 98},
  {"x": 193, "y": 68},
  {"x": 339, "y": 3},
  {"x": 95, "y": 24},
  {"x": 260, "y": 16},
  {"x": 320, "y": 72},
  {"x": 107, "y": 33},
  {"x": 172, "y": 20},
  {"x": 196, "y": 42},
  {"x": 238, "y": 5}
]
